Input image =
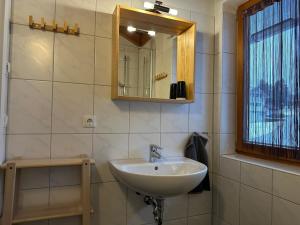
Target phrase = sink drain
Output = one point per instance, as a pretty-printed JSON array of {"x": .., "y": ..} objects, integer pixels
[{"x": 158, "y": 208}]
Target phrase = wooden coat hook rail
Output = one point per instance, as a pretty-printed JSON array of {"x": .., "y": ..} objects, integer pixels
[{"x": 53, "y": 27}]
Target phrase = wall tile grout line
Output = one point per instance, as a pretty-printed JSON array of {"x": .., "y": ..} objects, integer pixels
[
  {"x": 52, "y": 99},
  {"x": 272, "y": 197},
  {"x": 58, "y": 133},
  {"x": 212, "y": 126},
  {"x": 240, "y": 189}
]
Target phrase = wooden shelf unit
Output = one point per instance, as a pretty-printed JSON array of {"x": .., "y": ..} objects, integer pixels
[{"x": 12, "y": 215}]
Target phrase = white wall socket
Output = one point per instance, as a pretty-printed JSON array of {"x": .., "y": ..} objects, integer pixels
[{"x": 89, "y": 121}]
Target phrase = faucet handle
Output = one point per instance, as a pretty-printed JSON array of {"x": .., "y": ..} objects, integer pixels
[{"x": 154, "y": 147}]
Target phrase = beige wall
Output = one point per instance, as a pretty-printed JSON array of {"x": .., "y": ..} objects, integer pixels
[{"x": 56, "y": 79}]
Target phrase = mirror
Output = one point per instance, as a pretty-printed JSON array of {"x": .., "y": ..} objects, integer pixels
[
  {"x": 147, "y": 68},
  {"x": 151, "y": 52}
]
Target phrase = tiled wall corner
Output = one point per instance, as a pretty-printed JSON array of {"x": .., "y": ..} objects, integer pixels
[
  {"x": 264, "y": 196},
  {"x": 226, "y": 172}
]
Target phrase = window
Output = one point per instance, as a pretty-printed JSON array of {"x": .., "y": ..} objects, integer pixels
[{"x": 268, "y": 79}]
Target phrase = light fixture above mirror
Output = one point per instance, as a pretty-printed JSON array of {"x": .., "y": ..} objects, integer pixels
[
  {"x": 158, "y": 7},
  {"x": 131, "y": 29},
  {"x": 134, "y": 29}
]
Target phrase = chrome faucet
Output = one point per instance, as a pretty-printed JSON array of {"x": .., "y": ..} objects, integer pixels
[{"x": 154, "y": 153}]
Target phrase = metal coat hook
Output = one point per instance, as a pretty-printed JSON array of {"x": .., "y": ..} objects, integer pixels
[{"x": 66, "y": 29}]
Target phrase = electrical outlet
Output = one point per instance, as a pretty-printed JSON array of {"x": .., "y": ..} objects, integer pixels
[{"x": 89, "y": 121}]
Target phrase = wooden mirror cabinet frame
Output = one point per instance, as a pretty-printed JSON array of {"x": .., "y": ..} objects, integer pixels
[{"x": 186, "y": 44}]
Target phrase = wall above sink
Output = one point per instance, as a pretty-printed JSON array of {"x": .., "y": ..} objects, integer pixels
[{"x": 150, "y": 52}]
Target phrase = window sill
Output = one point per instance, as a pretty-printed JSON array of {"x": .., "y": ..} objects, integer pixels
[{"x": 265, "y": 163}]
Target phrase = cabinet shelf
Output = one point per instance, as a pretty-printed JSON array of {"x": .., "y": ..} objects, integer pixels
[
  {"x": 158, "y": 100},
  {"x": 43, "y": 213}
]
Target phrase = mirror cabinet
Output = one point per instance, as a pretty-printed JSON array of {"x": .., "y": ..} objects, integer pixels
[{"x": 153, "y": 57}]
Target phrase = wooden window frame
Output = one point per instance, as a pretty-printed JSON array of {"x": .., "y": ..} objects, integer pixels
[{"x": 269, "y": 153}]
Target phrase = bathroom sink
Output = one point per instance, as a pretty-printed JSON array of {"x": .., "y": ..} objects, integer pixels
[{"x": 166, "y": 178}]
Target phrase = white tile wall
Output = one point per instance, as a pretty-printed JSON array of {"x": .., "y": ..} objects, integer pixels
[
  {"x": 108, "y": 6},
  {"x": 109, "y": 202},
  {"x": 285, "y": 212},
  {"x": 174, "y": 118},
  {"x": 218, "y": 221},
  {"x": 34, "y": 178},
  {"x": 173, "y": 143},
  {"x": 216, "y": 153},
  {"x": 103, "y": 61},
  {"x": 224, "y": 117},
  {"x": 65, "y": 176},
  {"x": 257, "y": 177},
  {"x": 144, "y": 117},
  {"x": 227, "y": 172},
  {"x": 230, "y": 168},
  {"x": 64, "y": 195},
  {"x": 228, "y": 113},
  {"x": 29, "y": 107},
  {"x": 286, "y": 186},
  {"x": 66, "y": 221},
  {"x": 33, "y": 197},
  {"x": 112, "y": 116},
  {"x": 28, "y": 146},
  {"x": 229, "y": 200},
  {"x": 263, "y": 196},
  {"x": 228, "y": 73},
  {"x": 201, "y": 113},
  {"x": 31, "y": 53},
  {"x": 175, "y": 207},
  {"x": 137, "y": 211},
  {"x": 21, "y": 9},
  {"x": 77, "y": 11},
  {"x": 255, "y": 207},
  {"x": 71, "y": 145},
  {"x": 228, "y": 143},
  {"x": 103, "y": 25},
  {"x": 107, "y": 147},
  {"x": 201, "y": 219},
  {"x": 200, "y": 204},
  {"x": 176, "y": 222},
  {"x": 70, "y": 103},
  {"x": 205, "y": 32},
  {"x": 74, "y": 64},
  {"x": 218, "y": 67},
  {"x": 229, "y": 33},
  {"x": 204, "y": 73}
]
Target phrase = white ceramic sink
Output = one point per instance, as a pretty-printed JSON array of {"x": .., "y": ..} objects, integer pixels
[{"x": 161, "y": 179}]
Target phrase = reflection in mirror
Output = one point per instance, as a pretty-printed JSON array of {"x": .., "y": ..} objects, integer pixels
[{"x": 147, "y": 63}]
